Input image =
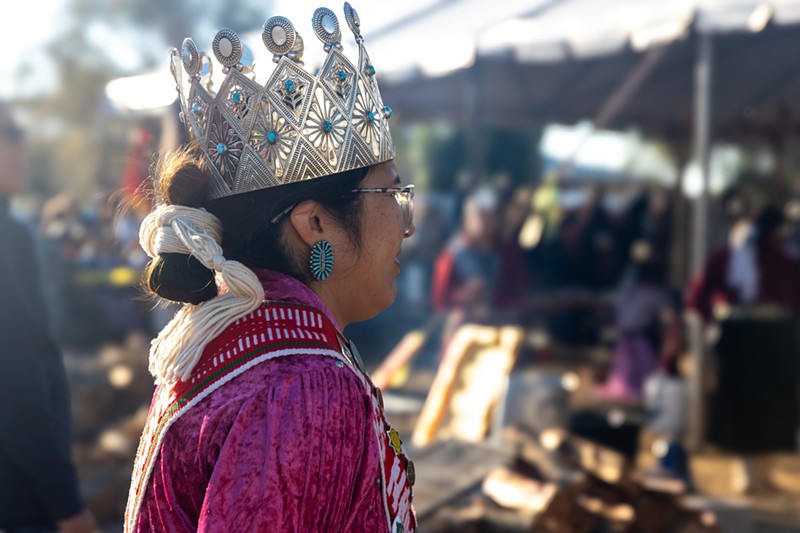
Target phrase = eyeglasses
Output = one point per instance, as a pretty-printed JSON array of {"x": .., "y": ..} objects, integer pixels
[
  {"x": 11, "y": 132},
  {"x": 404, "y": 197}
]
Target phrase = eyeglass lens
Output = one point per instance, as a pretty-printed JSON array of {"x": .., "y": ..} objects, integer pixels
[{"x": 406, "y": 201}]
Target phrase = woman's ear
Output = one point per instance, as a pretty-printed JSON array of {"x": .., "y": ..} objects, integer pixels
[{"x": 309, "y": 220}]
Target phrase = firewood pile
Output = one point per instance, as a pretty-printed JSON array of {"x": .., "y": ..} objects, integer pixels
[
  {"x": 576, "y": 487},
  {"x": 515, "y": 465}
]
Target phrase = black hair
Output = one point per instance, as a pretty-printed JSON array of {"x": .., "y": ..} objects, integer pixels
[{"x": 249, "y": 235}]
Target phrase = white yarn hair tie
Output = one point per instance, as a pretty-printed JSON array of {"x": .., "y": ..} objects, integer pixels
[{"x": 196, "y": 232}]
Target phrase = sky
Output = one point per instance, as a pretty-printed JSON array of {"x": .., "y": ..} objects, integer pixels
[{"x": 24, "y": 31}]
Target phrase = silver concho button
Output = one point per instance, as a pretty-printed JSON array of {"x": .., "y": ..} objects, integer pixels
[
  {"x": 227, "y": 47},
  {"x": 351, "y": 16},
  {"x": 190, "y": 57},
  {"x": 279, "y": 35},
  {"x": 326, "y": 26},
  {"x": 411, "y": 473}
]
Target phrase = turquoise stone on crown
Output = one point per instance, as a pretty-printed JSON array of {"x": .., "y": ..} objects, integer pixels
[
  {"x": 371, "y": 116},
  {"x": 327, "y": 126},
  {"x": 272, "y": 137},
  {"x": 289, "y": 86},
  {"x": 221, "y": 148},
  {"x": 237, "y": 97},
  {"x": 342, "y": 75}
]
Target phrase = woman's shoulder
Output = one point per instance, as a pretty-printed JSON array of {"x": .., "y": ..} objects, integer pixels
[
  {"x": 274, "y": 388},
  {"x": 283, "y": 372},
  {"x": 280, "y": 371}
]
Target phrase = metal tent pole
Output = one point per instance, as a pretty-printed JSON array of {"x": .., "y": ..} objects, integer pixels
[
  {"x": 702, "y": 146},
  {"x": 703, "y": 78}
]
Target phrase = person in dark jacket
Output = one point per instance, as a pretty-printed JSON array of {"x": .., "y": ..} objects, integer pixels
[{"x": 39, "y": 489}]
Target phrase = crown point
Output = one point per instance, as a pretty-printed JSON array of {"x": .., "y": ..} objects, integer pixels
[
  {"x": 351, "y": 16},
  {"x": 326, "y": 26},
  {"x": 190, "y": 56},
  {"x": 278, "y": 35},
  {"x": 227, "y": 47}
]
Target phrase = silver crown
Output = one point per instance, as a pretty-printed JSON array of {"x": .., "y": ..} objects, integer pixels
[{"x": 296, "y": 126}]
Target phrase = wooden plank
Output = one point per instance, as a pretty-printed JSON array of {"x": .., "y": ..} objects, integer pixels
[{"x": 468, "y": 384}]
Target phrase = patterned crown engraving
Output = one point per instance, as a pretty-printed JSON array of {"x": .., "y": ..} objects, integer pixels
[
  {"x": 273, "y": 138},
  {"x": 254, "y": 173},
  {"x": 366, "y": 120},
  {"x": 325, "y": 127},
  {"x": 223, "y": 147},
  {"x": 196, "y": 112},
  {"x": 240, "y": 96},
  {"x": 339, "y": 76}
]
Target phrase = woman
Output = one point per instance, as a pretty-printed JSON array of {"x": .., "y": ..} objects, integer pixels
[
  {"x": 646, "y": 325},
  {"x": 264, "y": 418}
]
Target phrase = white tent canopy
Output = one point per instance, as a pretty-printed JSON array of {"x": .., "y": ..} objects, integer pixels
[
  {"x": 558, "y": 30},
  {"x": 430, "y": 38}
]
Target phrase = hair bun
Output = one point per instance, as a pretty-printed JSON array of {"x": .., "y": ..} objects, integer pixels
[
  {"x": 181, "y": 278},
  {"x": 182, "y": 181}
]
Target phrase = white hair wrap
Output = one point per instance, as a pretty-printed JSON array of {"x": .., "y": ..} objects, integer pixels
[{"x": 188, "y": 230}]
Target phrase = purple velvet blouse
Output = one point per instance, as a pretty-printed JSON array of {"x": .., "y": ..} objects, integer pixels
[{"x": 289, "y": 445}]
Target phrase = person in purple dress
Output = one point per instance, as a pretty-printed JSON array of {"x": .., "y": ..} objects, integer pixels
[
  {"x": 646, "y": 315},
  {"x": 277, "y": 226}
]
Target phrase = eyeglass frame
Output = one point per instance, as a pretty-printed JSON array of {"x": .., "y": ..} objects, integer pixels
[{"x": 397, "y": 192}]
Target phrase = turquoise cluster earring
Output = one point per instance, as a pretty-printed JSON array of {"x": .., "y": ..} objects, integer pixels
[{"x": 321, "y": 260}]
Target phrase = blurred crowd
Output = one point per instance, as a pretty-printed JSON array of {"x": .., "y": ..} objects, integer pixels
[
  {"x": 592, "y": 265},
  {"x": 495, "y": 252},
  {"x": 588, "y": 262},
  {"x": 91, "y": 263}
]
